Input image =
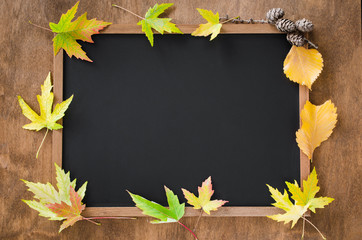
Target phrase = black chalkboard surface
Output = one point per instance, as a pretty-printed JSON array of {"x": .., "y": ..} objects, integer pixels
[{"x": 179, "y": 112}]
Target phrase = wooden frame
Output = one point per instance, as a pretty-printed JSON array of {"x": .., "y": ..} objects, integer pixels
[{"x": 133, "y": 211}]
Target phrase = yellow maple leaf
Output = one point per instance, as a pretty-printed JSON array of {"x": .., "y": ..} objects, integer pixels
[
  {"x": 303, "y": 65},
  {"x": 317, "y": 125},
  {"x": 47, "y": 118},
  {"x": 213, "y": 26},
  {"x": 307, "y": 196},
  {"x": 292, "y": 215},
  {"x": 304, "y": 200},
  {"x": 203, "y": 201}
]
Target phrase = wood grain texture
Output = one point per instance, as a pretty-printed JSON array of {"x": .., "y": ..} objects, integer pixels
[
  {"x": 189, "y": 212},
  {"x": 26, "y": 58}
]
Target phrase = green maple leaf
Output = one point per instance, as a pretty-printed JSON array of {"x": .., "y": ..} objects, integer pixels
[
  {"x": 80, "y": 29},
  {"x": 173, "y": 213},
  {"x": 164, "y": 215},
  {"x": 161, "y": 25},
  {"x": 64, "y": 204},
  {"x": 47, "y": 118}
]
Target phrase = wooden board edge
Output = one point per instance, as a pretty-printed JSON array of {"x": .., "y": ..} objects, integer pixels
[
  {"x": 304, "y": 160},
  {"x": 189, "y": 212},
  {"x": 57, "y": 135},
  {"x": 189, "y": 28}
]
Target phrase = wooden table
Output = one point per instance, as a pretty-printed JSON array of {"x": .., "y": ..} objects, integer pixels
[{"x": 26, "y": 56}]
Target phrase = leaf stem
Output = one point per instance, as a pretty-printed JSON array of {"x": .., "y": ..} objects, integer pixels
[
  {"x": 313, "y": 45},
  {"x": 314, "y": 227},
  {"x": 188, "y": 230},
  {"x": 303, "y": 229},
  {"x": 40, "y": 26},
  {"x": 41, "y": 144},
  {"x": 198, "y": 219},
  {"x": 238, "y": 20},
  {"x": 229, "y": 19},
  {"x": 87, "y": 219},
  {"x": 114, "y": 5}
]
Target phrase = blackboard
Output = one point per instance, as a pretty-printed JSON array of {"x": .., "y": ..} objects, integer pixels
[{"x": 179, "y": 112}]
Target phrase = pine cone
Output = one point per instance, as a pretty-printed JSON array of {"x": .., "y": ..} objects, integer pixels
[
  {"x": 285, "y": 25},
  {"x": 296, "y": 38},
  {"x": 274, "y": 14},
  {"x": 304, "y": 25}
]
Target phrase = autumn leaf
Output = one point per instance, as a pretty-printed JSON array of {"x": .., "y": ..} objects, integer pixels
[
  {"x": 303, "y": 65},
  {"x": 64, "y": 204},
  {"x": 203, "y": 201},
  {"x": 69, "y": 212},
  {"x": 173, "y": 213},
  {"x": 304, "y": 199},
  {"x": 213, "y": 26},
  {"x": 69, "y": 32},
  {"x": 152, "y": 21},
  {"x": 47, "y": 118},
  {"x": 164, "y": 215},
  {"x": 317, "y": 125},
  {"x": 161, "y": 25},
  {"x": 307, "y": 196}
]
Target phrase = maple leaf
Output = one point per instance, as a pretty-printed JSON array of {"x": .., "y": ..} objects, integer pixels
[
  {"x": 213, "y": 26},
  {"x": 173, "y": 213},
  {"x": 307, "y": 196},
  {"x": 161, "y": 25},
  {"x": 69, "y": 212},
  {"x": 47, "y": 118},
  {"x": 317, "y": 125},
  {"x": 203, "y": 201},
  {"x": 164, "y": 215},
  {"x": 69, "y": 32},
  {"x": 304, "y": 200},
  {"x": 64, "y": 204},
  {"x": 303, "y": 65}
]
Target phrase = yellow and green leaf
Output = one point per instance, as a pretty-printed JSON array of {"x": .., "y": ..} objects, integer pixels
[
  {"x": 304, "y": 200},
  {"x": 64, "y": 204},
  {"x": 161, "y": 25},
  {"x": 204, "y": 200},
  {"x": 47, "y": 118},
  {"x": 69, "y": 32},
  {"x": 213, "y": 26}
]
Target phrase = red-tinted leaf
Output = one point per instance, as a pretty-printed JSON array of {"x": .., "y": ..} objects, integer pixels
[{"x": 70, "y": 212}]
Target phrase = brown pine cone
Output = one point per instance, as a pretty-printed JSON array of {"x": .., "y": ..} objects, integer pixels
[
  {"x": 304, "y": 25},
  {"x": 285, "y": 25},
  {"x": 274, "y": 14},
  {"x": 296, "y": 38}
]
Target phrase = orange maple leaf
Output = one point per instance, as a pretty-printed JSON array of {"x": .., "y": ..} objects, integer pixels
[{"x": 70, "y": 212}]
